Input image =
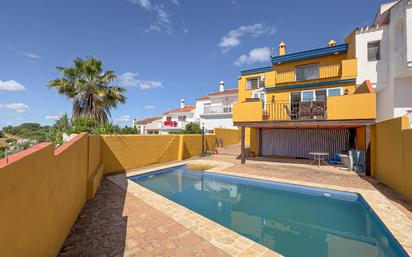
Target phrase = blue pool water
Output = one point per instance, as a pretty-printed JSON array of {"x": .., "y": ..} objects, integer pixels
[{"x": 291, "y": 220}]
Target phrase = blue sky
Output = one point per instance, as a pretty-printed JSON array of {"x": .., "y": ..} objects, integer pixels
[{"x": 162, "y": 51}]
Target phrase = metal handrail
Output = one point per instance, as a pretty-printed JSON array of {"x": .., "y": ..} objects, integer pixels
[{"x": 295, "y": 110}]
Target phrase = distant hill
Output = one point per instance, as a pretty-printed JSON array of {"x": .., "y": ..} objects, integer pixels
[{"x": 26, "y": 130}]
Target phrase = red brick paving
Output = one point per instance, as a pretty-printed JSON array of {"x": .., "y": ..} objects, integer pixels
[{"x": 116, "y": 223}]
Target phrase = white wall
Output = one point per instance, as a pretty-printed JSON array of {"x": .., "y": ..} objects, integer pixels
[
  {"x": 368, "y": 70},
  {"x": 216, "y": 122},
  {"x": 390, "y": 76}
]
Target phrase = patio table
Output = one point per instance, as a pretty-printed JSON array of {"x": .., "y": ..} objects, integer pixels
[{"x": 319, "y": 157}]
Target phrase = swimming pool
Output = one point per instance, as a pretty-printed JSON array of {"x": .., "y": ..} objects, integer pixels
[{"x": 289, "y": 219}]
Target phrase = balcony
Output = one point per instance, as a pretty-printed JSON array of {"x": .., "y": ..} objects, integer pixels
[
  {"x": 297, "y": 110},
  {"x": 174, "y": 124},
  {"x": 345, "y": 69},
  {"x": 218, "y": 109},
  {"x": 345, "y": 107}
]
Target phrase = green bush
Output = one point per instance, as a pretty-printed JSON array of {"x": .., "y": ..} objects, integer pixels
[{"x": 10, "y": 140}]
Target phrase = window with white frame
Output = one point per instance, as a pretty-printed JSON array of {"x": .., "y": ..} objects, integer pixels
[
  {"x": 374, "y": 51},
  {"x": 255, "y": 83},
  {"x": 307, "y": 71},
  {"x": 335, "y": 91},
  {"x": 181, "y": 118}
]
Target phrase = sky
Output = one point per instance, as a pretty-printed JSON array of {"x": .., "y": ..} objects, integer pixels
[{"x": 161, "y": 51}]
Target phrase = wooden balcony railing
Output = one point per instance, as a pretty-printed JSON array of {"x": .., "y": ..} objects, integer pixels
[{"x": 295, "y": 110}]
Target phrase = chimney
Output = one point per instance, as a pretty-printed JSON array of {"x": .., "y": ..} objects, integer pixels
[
  {"x": 222, "y": 86},
  {"x": 332, "y": 43},
  {"x": 182, "y": 103},
  {"x": 282, "y": 48}
]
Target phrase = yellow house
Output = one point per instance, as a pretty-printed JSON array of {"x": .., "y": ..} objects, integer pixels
[{"x": 306, "y": 102}]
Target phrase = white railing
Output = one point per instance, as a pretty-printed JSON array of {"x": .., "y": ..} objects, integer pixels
[{"x": 218, "y": 109}]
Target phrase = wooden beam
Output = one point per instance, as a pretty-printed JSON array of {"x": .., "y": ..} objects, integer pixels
[
  {"x": 306, "y": 123},
  {"x": 259, "y": 141},
  {"x": 368, "y": 150},
  {"x": 242, "y": 145}
]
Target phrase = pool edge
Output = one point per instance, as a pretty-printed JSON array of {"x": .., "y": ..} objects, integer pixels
[{"x": 396, "y": 222}]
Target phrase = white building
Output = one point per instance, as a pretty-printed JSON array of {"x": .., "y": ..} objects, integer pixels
[
  {"x": 148, "y": 126},
  {"x": 384, "y": 53},
  {"x": 215, "y": 109},
  {"x": 176, "y": 120}
]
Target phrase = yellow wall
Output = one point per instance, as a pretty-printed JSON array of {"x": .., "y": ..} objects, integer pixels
[
  {"x": 123, "y": 152},
  {"x": 247, "y": 111},
  {"x": 120, "y": 153},
  {"x": 229, "y": 136},
  {"x": 41, "y": 195},
  {"x": 254, "y": 144},
  {"x": 244, "y": 93},
  {"x": 393, "y": 154},
  {"x": 357, "y": 106}
]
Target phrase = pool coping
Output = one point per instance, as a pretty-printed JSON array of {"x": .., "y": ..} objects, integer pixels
[{"x": 235, "y": 244}]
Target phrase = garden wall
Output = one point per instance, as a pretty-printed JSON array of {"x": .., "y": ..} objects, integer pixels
[
  {"x": 229, "y": 136},
  {"x": 42, "y": 191},
  {"x": 120, "y": 153},
  {"x": 393, "y": 154}
]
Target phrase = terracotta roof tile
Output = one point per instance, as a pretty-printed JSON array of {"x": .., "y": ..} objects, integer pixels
[
  {"x": 203, "y": 97},
  {"x": 148, "y": 120},
  {"x": 185, "y": 109},
  {"x": 228, "y": 91}
]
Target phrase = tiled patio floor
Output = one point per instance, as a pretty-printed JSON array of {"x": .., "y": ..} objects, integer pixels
[{"x": 117, "y": 223}]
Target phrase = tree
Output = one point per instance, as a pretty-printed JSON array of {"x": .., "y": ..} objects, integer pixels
[
  {"x": 192, "y": 128},
  {"x": 89, "y": 88}
]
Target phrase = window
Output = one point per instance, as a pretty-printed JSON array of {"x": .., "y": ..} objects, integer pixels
[
  {"x": 334, "y": 91},
  {"x": 307, "y": 71},
  {"x": 168, "y": 118},
  {"x": 261, "y": 96},
  {"x": 374, "y": 51},
  {"x": 181, "y": 118},
  {"x": 255, "y": 83},
  {"x": 308, "y": 96}
]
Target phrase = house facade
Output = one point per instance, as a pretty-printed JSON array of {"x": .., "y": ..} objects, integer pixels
[
  {"x": 215, "y": 109},
  {"x": 148, "y": 126},
  {"x": 384, "y": 54},
  {"x": 305, "y": 102},
  {"x": 176, "y": 120}
]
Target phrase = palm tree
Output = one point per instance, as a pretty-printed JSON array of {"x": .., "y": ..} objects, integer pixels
[{"x": 89, "y": 88}]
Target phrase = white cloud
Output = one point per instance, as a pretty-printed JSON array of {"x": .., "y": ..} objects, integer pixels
[
  {"x": 149, "y": 106},
  {"x": 18, "y": 107},
  {"x": 162, "y": 18},
  {"x": 11, "y": 85},
  {"x": 233, "y": 37},
  {"x": 256, "y": 55},
  {"x": 29, "y": 55},
  {"x": 129, "y": 79},
  {"x": 149, "y": 84},
  {"x": 123, "y": 118},
  {"x": 146, "y": 4},
  {"x": 53, "y": 117}
]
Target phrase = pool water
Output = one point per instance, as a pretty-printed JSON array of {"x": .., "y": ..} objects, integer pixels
[{"x": 291, "y": 220}]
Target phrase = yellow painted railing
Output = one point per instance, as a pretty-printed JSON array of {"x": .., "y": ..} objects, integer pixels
[
  {"x": 328, "y": 71},
  {"x": 345, "y": 107}
]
